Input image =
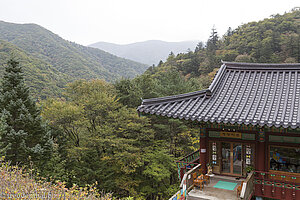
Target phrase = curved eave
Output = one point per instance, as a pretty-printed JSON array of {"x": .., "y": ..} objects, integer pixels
[
  {"x": 260, "y": 94},
  {"x": 230, "y": 121}
]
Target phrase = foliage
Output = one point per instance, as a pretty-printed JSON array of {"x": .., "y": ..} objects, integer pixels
[
  {"x": 249, "y": 169},
  {"x": 272, "y": 40},
  {"x": 175, "y": 137},
  {"x": 161, "y": 83},
  {"x": 24, "y": 135},
  {"x": 244, "y": 58},
  {"x": 260, "y": 41},
  {"x": 107, "y": 142},
  {"x": 42, "y": 79},
  {"x": 97, "y": 134},
  {"x": 50, "y": 53},
  {"x": 17, "y": 182},
  {"x": 269, "y": 40}
]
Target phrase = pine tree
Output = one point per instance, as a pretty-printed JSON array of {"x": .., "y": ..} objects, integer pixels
[
  {"x": 211, "y": 48},
  {"x": 212, "y": 42},
  {"x": 199, "y": 47},
  {"x": 3, "y": 127},
  {"x": 24, "y": 134}
]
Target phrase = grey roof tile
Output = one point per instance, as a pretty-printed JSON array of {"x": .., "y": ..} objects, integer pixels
[{"x": 243, "y": 93}]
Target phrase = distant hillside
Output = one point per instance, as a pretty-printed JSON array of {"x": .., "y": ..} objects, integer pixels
[
  {"x": 69, "y": 58},
  {"x": 271, "y": 40},
  {"x": 42, "y": 78},
  {"x": 148, "y": 52}
]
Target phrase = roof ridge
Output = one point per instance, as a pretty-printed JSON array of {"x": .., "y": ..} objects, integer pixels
[
  {"x": 262, "y": 99},
  {"x": 262, "y": 66},
  {"x": 173, "y": 97},
  {"x": 212, "y": 87}
]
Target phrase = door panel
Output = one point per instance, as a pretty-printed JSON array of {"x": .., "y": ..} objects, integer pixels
[
  {"x": 231, "y": 158},
  {"x": 237, "y": 158},
  {"x": 226, "y": 164}
]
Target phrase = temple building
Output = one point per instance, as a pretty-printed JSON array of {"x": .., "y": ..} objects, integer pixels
[{"x": 249, "y": 120}]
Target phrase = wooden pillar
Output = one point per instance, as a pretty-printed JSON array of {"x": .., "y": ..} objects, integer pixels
[
  {"x": 203, "y": 148},
  {"x": 261, "y": 152}
]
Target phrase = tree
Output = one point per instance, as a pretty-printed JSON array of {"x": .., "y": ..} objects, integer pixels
[
  {"x": 67, "y": 116},
  {"x": 116, "y": 148},
  {"x": 3, "y": 127},
  {"x": 171, "y": 58},
  {"x": 229, "y": 32},
  {"x": 127, "y": 93},
  {"x": 172, "y": 82},
  {"x": 227, "y": 35},
  {"x": 199, "y": 47},
  {"x": 244, "y": 58},
  {"x": 211, "y": 48},
  {"x": 160, "y": 63},
  {"x": 212, "y": 42},
  {"x": 25, "y": 135}
]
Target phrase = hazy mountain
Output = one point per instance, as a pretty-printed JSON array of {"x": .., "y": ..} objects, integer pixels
[
  {"x": 70, "y": 59},
  {"x": 148, "y": 52}
]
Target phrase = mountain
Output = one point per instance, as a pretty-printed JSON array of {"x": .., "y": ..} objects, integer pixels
[
  {"x": 68, "y": 58},
  {"x": 149, "y": 52},
  {"x": 42, "y": 78},
  {"x": 271, "y": 40}
]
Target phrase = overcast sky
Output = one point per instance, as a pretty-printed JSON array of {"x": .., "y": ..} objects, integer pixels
[{"x": 127, "y": 21}]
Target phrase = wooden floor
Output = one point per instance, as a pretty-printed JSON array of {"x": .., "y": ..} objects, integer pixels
[
  {"x": 211, "y": 193},
  {"x": 196, "y": 198}
]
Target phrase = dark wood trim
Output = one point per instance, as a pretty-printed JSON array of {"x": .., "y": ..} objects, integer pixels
[
  {"x": 284, "y": 134},
  {"x": 231, "y": 158},
  {"x": 291, "y": 134},
  {"x": 284, "y": 144},
  {"x": 256, "y": 155},
  {"x": 266, "y": 151},
  {"x": 231, "y": 174},
  {"x": 228, "y": 174},
  {"x": 231, "y": 140},
  {"x": 277, "y": 177},
  {"x": 268, "y": 158},
  {"x": 290, "y": 174},
  {"x": 236, "y": 130}
]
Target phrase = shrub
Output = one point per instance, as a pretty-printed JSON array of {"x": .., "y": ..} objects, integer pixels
[{"x": 19, "y": 183}]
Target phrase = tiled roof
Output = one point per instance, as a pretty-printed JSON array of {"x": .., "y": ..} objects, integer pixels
[{"x": 242, "y": 93}]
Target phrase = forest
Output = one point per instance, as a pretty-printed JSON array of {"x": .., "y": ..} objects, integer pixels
[
  {"x": 91, "y": 132},
  {"x": 53, "y": 61}
]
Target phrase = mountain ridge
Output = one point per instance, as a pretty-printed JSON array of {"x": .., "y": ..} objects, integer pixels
[
  {"x": 68, "y": 57},
  {"x": 42, "y": 79},
  {"x": 149, "y": 51}
]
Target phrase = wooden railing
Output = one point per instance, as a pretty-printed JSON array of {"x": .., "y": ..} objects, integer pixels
[
  {"x": 283, "y": 177},
  {"x": 277, "y": 185},
  {"x": 188, "y": 162},
  {"x": 191, "y": 157},
  {"x": 248, "y": 187},
  {"x": 176, "y": 196},
  {"x": 186, "y": 184},
  {"x": 187, "y": 180}
]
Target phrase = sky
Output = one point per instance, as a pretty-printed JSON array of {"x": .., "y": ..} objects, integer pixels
[{"x": 127, "y": 21}]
